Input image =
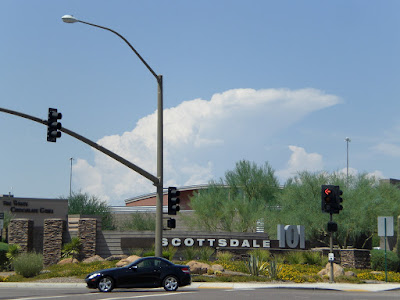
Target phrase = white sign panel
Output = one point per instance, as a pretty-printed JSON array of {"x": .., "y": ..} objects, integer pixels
[
  {"x": 388, "y": 221},
  {"x": 331, "y": 257}
]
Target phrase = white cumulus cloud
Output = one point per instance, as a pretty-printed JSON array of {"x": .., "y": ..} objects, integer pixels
[
  {"x": 388, "y": 149},
  {"x": 299, "y": 161},
  {"x": 198, "y": 135}
]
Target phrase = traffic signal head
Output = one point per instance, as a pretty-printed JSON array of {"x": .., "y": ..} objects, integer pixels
[
  {"x": 173, "y": 200},
  {"x": 171, "y": 223},
  {"x": 327, "y": 198},
  {"x": 339, "y": 199},
  {"x": 53, "y": 126},
  {"x": 331, "y": 199},
  {"x": 332, "y": 226}
]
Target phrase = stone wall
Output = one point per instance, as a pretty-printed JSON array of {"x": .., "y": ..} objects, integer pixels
[
  {"x": 349, "y": 258},
  {"x": 87, "y": 232},
  {"x": 52, "y": 240},
  {"x": 355, "y": 258},
  {"x": 20, "y": 231}
]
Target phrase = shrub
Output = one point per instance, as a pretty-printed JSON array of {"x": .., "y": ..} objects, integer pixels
[
  {"x": 3, "y": 257},
  {"x": 137, "y": 251},
  {"x": 378, "y": 260},
  {"x": 224, "y": 256},
  {"x": 313, "y": 258},
  {"x": 255, "y": 266},
  {"x": 169, "y": 252},
  {"x": 139, "y": 222},
  {"x": 189, "y": 253},
  {"x": 149, "y": 253},
  {"x": 205, "y": 253},
  {"x": 12, "y": 253},
  {"x": 273, "y": 269},
  {"x": 72, "y": 249},
  {"x": 295, "y": 258},
  {"x": 261, "y": 254},
  {"x": 28, "y": 264}
]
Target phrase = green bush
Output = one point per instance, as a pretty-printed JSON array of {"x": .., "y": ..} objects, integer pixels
[
  {"x": 12, "y": 253},
  {"x": 3, "y": 258},
  {"x": 139, "y": 222},
  {"x": 149, "y": 253},
  {"x": 261, "y": 254},
  {"x": 224, "y": 256},
  {"x": 28, "y": 264},
  {"x": 313, "y": 258},
  {"x": 205, "y": 253},
  {"x": 72, "y": 249},
  {"x": 169, "y": 252},
  {"x": 378, "y": 260},
  {"x": 295, "y": 258},
  {"x": 189, "y": 253}
]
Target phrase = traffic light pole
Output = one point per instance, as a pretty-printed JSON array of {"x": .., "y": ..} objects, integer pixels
[{"x": 332, "y": 280}]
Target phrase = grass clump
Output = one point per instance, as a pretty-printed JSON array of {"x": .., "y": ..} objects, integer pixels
[
  {"x": 205, "y": 253},
  {"x": 224, "y": 256},
  {"x": 28, "y": 264}
]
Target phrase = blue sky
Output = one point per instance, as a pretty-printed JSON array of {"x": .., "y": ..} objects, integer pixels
[{"x": 278, "y": 81}]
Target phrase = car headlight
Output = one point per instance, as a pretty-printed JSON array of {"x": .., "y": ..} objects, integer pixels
[{"x": 94, "y": 275}]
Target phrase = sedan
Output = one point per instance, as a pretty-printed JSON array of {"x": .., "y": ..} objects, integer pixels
[{"x": 147, "y": 272}]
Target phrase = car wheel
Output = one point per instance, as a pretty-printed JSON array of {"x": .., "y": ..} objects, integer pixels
[
  {"x": 106, "y": 284},
  {"x": 170, "y": 283}
]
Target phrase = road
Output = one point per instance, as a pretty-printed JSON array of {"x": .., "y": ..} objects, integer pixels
[{"x": 188, "y": 293}]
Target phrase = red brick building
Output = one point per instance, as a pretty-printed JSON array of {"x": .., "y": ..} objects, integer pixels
[{"x": 149, "y": 200}]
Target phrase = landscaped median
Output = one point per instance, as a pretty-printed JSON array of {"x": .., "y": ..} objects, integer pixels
[{"x": 261, "y": 267}]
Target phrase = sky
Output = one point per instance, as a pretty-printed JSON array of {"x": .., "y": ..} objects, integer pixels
[{"x": 283, "y": 82}]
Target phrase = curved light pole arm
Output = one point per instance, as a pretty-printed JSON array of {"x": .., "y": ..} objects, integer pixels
[{"x": 126, "y": 41}]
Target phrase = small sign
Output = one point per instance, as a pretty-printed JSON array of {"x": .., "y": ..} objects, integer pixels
[
  {"x": 388, "y": 229},
  {"x": 331, "y": 257}
]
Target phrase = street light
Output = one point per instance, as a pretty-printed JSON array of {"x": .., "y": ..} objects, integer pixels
[
  {"x": 159, "y": 184},
  {"x": 347, "y": 140},
  {"x": 70, "y": 179}
]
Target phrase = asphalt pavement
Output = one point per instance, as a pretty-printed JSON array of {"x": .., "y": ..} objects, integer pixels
[{"x": 365, "y": 287}]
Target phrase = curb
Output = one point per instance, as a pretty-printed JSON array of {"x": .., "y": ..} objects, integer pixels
[{"x": 230, "y": 286}]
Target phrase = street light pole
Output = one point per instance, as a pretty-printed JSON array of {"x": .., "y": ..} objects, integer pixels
[
  {"x": 160, "y": 134},
  {"x": 347, "y": 140},
  {"x": 70, "y": 179}
]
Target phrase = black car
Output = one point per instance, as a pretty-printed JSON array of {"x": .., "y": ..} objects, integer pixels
[{"x": 147, "y": 272}]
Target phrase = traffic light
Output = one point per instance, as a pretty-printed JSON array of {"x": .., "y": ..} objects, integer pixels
[
  {"x": 327, "y": 198},
  {"x": 171, "y": 223},
  {"x": 339, "y": 200},
  {"x": 332, "y": 226},
  {"x": 53, "y": 126},
  {"x": 173, "y": 200},
  {"x": 331, "y": 199}
]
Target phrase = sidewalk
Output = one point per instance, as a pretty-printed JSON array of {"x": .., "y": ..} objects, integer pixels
[{"x": 374, "y": 287}]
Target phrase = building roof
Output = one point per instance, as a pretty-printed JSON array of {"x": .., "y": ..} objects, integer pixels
[{"x": 152, "y": 195}]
